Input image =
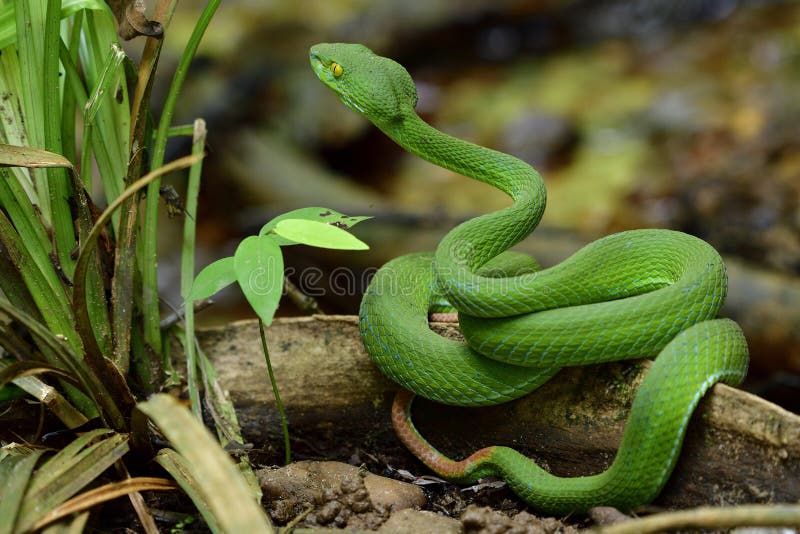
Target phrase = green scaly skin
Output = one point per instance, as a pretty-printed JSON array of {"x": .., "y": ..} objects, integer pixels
[{"x": 644, "y": 293}]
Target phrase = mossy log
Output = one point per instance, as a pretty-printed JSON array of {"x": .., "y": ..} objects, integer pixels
[{"x": 739, "y": 448}]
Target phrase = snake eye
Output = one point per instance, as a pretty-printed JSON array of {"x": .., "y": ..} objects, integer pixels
[{"x": 337, "y": 70}]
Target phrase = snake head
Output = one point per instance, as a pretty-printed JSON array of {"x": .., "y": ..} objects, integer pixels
[{"x": 376, "y": 87}]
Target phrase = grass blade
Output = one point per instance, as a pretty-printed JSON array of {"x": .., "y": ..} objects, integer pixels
[
  {"x": 21, "y": 236},
  {"x": 46, "y": 394},
  {"x": 15, "y": 475},
  {"x": 69, "y": 98},
  {"x": 61, "y": 355},
  {"x": 104, "y": 493},
  {"x": 56, "y": 464},
  {"x": 13, "y": 287},
  {"x": 187, "y": 265},
  {"x": 47, "y": 491},
  {"x": 17, "y": 370},
  {"x": 93, "y": 353},
  {"x": 8, "y": 30},
  {"x": 112, "y": 121},
  {"x": 128, "y": 341},
  {"x": 46, "y": 291},
  {"x": 202, "y": 467},
  {"x": 177, "y": 466},
  {"x": 222, "y": 411},
  {"x": 75, "y": 525},
  {"x": 57, "y": 181},
  {"x": 30, "y": 19},
  {"x": 109, "y": 76},
  {"x": 23, "y": 156},
  {"x": 96, "y": 302}
]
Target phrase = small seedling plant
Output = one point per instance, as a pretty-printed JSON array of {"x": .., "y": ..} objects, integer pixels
[{"x": 257, "y": 266}]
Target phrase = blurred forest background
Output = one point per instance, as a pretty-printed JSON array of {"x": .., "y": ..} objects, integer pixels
[{"x": 681, "y": 114}]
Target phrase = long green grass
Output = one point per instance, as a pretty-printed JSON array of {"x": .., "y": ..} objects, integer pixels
[{"x": 80, "y": 322}]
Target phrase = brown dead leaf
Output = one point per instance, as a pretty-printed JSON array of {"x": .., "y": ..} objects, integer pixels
[
  {"x": 132, "y": 20},
  {"x": 23, "y": 156}
]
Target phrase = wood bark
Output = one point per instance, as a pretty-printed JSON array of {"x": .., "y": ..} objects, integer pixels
[{"x": 739, "y": 448}]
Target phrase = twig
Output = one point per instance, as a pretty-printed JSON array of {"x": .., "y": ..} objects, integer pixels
[
  {"x": 306, "y": 303},
  {"x": 754, "y": 515},
  {"x": 177, "y": 316},
  {"x": 137, "y": 501},
  {"x": 299, "y": 517}
]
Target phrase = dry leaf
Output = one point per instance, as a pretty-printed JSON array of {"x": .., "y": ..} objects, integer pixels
[{"x": 132, "y": 20}]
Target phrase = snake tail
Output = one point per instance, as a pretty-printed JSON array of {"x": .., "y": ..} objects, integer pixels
[{"x": 632, "y": 479}]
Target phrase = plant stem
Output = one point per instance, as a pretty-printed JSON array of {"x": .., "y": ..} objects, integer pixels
[
  {"x": 187, "y": 265},
  {"x": 57, "y": 180},
  {"x": 152, "y": 319},
  {"x": 284, "y": 422},
  {"x": 125, "y": 299}
]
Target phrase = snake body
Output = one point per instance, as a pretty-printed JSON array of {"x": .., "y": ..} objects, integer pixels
[{"x": 641, "y": 293}]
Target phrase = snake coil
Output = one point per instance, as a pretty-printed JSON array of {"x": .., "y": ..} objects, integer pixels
[{"x": 641, "y": 293}]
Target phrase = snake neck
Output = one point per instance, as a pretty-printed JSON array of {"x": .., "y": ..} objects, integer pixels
[
  {"x": 505, "y": 172},
  {"x": 473, "y": 243}
]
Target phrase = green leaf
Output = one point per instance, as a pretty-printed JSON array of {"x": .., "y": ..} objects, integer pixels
[
  {"x": 23, "y": 156},
  {"x": 211, "y": 279},
  {"x": 325, "y": 215},
  {"x": 202, "y": 469},
  {"x": 58, "y": 464},
  {"x": 259, "y": 270},
  {"x": 8, "y": 30},
  {"x": 318, "y": 234},
  {"x": 64, "y": 475},
  {"x": 15, "y": 474}
]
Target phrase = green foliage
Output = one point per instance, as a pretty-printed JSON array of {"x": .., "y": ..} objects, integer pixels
[
  {"x": 8, "y": 29},
  {"x": 200, "y": 466},
  {"x": 318, "y": 234},
  {"x": 257, "y": 264},
  {"x": 215, "y": 276},
  {"x": 28, "y": 493},
  {"x": 69, "y": 342},
  {"x": 72, "y": 281},
  {"x": 314, "y": 214}
]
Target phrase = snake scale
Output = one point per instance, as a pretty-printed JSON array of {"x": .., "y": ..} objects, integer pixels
[{"x": 642, "y": 293}]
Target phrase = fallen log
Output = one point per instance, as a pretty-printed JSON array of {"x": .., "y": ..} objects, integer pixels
[{"x": 739, "y": 448}]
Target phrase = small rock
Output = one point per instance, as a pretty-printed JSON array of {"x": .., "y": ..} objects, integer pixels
[
  {"x": 484, "y": 520},
  {"x": 606, "y": 515},
  {"x": 350, "y": 485},
  {"x": 393, "y": 494},
  {"x": 409, "y": 521},
  {"x": 341, "y": 494},
  {"x": 282, "y": 510},
  {"x": 328, "y": 512}
]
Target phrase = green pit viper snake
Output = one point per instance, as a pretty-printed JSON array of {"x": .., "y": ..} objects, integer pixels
[{"x": 642, "y": 293}]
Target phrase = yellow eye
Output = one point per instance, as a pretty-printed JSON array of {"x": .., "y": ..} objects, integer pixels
[{"x": 337, "y": 70}]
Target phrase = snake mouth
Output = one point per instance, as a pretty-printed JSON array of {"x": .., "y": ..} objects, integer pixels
[{"x": 319, "y": 63}]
